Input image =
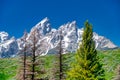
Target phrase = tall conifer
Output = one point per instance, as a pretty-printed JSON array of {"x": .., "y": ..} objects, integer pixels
[{"x": 87, "y": 65}]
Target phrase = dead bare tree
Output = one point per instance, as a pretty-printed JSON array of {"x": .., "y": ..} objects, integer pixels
[
  {"x": 60, "y": 56},
  {"x": 30, "y": 58},
  {"x": 35, "y": 62},
  {"x": 57, "y": 69},
  {"x": 22, "y": 71}
]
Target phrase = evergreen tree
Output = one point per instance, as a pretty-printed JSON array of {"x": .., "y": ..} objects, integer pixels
[{"x": 87, "y": 65}]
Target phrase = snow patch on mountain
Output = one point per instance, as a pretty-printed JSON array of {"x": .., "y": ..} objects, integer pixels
[
  {"x": 3, "y": 36},
  {"x": 49, "y": 38},
  {"x": 71, "y": 37},
  {"x": 43, "y": 27},
  {"x": 8, "y": 46}
]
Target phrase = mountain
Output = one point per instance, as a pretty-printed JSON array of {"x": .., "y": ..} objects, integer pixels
[
  {"x": 8, "y": 46},
  {"x": 71, "y": 37},
  {"x": 48, "y": 39}
]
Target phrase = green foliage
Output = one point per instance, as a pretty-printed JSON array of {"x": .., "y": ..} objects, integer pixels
[
  {"x": 8, "y": 68},
  {"x": 109, "y": 58},
  {"x": 117, "y": 77},
  {"x": 87, "y": 65},
  {"x": 54, "y": 69}
]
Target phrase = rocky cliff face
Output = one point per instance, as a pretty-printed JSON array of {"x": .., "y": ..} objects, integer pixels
[
  {"x": 71, "y": 37},
  {"x": 8, "y": 46},
  {"x": 48, "y": 39}
]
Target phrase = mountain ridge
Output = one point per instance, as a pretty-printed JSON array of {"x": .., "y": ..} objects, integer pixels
[{"x": 49, "y": 38}]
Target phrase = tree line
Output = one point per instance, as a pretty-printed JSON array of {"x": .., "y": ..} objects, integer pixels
[{"x": 86, "y": 65}]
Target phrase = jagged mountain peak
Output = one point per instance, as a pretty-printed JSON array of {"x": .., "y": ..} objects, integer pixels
[
  {"x": 43, "y": 26},
  {"x": 48, "y": 39},
  {"x": 8, "y": 45},
  {"x": 70, "y": 23},
  {"x": 3, "y": 36},
  {"x": 72, "y": 36},
  {"x": 68, "y": 27},
  {"x": 102, "y": 42},
  {"x": 3, "y": 32},
  {"x": 43, "y": 21}
]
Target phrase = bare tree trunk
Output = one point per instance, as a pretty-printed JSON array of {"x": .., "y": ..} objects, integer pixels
[
  {"x": 33, "y": 66},
  {"x": 33, "y": 55},
  {"x": 30, "y": 68},
  {"x": 24, "y": 73},
  {"x": 25, "y": 48},
  {"x": 60, "y": 56}
]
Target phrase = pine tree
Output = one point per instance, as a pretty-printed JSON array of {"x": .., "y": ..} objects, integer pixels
[{"x": 86, "y": 65}]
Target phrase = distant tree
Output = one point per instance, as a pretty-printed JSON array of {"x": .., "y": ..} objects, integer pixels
[
  {"x": 86, "y": 65},
  {"x": 60, "y": 57},
  {"x": 22, "y": 72},
  {"x": 54, "y": 70},
  {"x": 58, "y": 70},
  {"x": 118, "y": 73},
  {"x": 36, "y": 69},
  {"x": 31, "y": 63},
  {"x": 34, "y": 48}
]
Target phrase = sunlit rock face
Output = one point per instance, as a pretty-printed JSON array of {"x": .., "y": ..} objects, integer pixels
[
  {"x": 48, "y": 39},
  {"x": 8, "y": 46}
]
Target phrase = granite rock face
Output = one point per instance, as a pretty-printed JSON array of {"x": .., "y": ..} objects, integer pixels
[
  {"x": 48, "y": 39},
  {"x": 8, "y": 46}
]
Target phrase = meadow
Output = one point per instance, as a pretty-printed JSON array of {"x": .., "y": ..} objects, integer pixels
[{"x": 109, "y": 58}]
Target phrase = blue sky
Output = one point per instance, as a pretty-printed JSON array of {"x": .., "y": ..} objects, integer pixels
[{"x": 18, "y": 15}]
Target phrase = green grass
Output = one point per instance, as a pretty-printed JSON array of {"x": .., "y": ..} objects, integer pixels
[
  {"x": 110, "y": 59},
  {"x": 8, "y": 68}
]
